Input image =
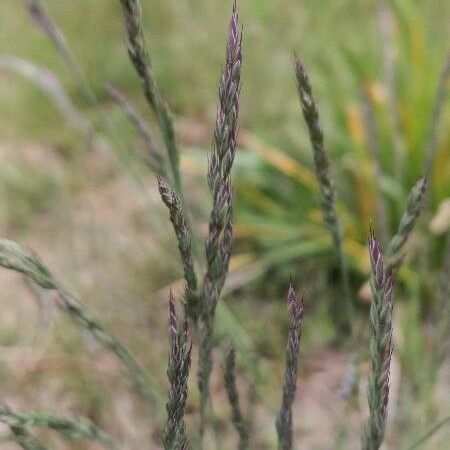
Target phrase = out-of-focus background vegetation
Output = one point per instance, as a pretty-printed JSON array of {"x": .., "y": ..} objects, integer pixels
[{"x": 94, "y": 214}]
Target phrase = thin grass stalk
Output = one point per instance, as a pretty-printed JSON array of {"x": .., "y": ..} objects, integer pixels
[
  {"x": 82, "y": 428},
  {"x": 407, "y": 223},
  {"x": 139, "y": 56},
  {"x": 438, "y": 109},
  {"x": 373, "y": 144},
  {"x": 47, "y": 81},
  {"x": 237, "y": 417},
  {"x": 180, "y": 226},
  {"x": 284, "y": 418},
  {"x": 14, "y": 257},
  {"x": 174, "y": 435},
  {"x": 344, "y": 309},
  {"x": 389, "y": 50},
  {"x": 42, "y": 19},
  {"x": 381, "y": 347},
  {"x": 153, "y": 156},
  {"x": 218, "y": 241},
  {"x": 432, "y": 430}
]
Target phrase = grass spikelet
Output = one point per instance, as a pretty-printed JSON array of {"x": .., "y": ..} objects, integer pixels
[
  {"x": 139, "y": 56},
  {"x": 381, "y": 347},
  {"x": 218, "y": 241},
  {"x": 81, "y": 428},
  {"x": 182, "y": 233},
  {"x": 284, "y": 418},
  {"x": 233, "y": 398},
  {"x": 343, "y": 310},
  {"x": 407, "y": 222},
  {"x": 14, "y": 257},
  {"x": 174, "y": 436}
]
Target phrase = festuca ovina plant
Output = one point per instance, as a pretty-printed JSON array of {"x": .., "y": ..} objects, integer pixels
[{"x": 203, "y": 291}]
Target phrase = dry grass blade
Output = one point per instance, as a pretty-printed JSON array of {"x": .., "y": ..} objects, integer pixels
[
  {"x": 153, "y": 156},
  {"x": 343, "y": 310},
  {"x": 81, "y": 428},
  {"x": 139, "y": 56},
  {"x": 233, "y": 398},
  {"x": 284, "y": 418},
  {"x": 218, "y": 241},
  {"x": 14, "y": 257},
  {"x": 381, "y": 347},
  {"x": 174, "y": 436}
]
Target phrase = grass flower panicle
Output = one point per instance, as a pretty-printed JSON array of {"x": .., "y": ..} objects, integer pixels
[
  {"x": 284, "y": 418},
  {"x": 218, "y": 241},
  {"x": 233, "y": 399},
  {"x": 139, "y": 56},
  {"x": 381, "y": 347},
  {"x": 310, "y": 111},
  {"x": 407, "y": 222},
  {"x": 174, "y": 435},
  {"x": 182, "y": 232}
]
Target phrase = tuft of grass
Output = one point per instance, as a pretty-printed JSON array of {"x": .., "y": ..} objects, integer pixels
[{"x": 202, "y": 301}]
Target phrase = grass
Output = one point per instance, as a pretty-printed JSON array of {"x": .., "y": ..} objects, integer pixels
[{"x": 279, "y": 186}]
